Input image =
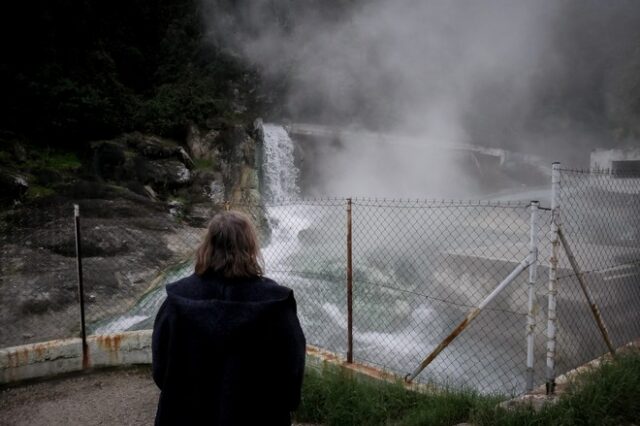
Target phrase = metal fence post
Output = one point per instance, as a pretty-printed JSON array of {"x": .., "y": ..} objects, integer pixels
[
  {"x": 85, "y": 349},
  {"x": 553, "y": 274},
  {"x": 533, "y": 277},
  {"x": 349, "y": 286}
]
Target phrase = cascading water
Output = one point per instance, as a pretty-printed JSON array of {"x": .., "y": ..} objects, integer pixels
[
  {"x": 291, "y": 260},
  {"x": 278, "y": 167},
  {"x": 279, "y": 183}
]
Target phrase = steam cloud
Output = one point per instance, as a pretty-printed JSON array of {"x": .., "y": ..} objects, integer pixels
[{"x": 542, "y": 77}]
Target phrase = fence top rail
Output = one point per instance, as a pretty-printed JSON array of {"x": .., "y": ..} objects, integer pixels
[
  {"x": 280, "y": 201},
  {"x": 598, "y": 172},
  {"x": 436, "y": 203},
  {"x": 389, "y": 202}
]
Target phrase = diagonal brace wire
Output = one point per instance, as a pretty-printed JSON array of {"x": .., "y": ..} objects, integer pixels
[{"x": 470, "y": 317}]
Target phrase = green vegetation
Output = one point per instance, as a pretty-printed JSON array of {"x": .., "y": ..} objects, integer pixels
[
  {"x": 203, "y": 164},
  {"x": 37, "y": 191},
  {"x": 333, "y": 397},
  {"x": 81, "y": 71},
  {"x": 50, "y": 160},
  {"x": 73, "y": 72},
  {"x": 607, "y": 396}
]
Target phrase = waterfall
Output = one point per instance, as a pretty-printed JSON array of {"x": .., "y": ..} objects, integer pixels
[
  {"x": 293, "y": 261},
  {"x": 279, "y": 171},
  {"x": 279, "y": 182}
]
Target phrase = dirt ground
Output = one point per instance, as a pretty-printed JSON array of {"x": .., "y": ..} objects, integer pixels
[
  {"x": 122, "y": 396},
  {"x": 104, "y": 397}
]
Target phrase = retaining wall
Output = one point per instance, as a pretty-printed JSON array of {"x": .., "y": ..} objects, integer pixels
[
  {"x": 65, "y": 355},
  {"x": 47, "y": 359}
]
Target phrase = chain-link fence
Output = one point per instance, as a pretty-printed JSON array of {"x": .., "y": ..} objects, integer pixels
[
  {"x": 600, "y": 219},
  {"x": 387, "y": 293},
  {"x": 38, "y": 278},
  {"x": 420, "y": 268}
]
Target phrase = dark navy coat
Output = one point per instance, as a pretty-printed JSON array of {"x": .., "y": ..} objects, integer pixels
[{"x": 227, "y": 352}]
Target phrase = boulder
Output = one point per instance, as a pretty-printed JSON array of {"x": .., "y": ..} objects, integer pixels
[
  {"x": 164, "y": 173},
  {"x": 143, "y": 158},
  {"x": 202, "y": 144},
  {"x": 110, "y": 160},
  {"x": 156, "y": 148},
  {"x": 200, "y": 214},
  {"x": 216, "y": 192}
]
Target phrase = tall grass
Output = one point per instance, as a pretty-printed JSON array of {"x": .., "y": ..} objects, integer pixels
[
  {"x": 334, "y": 397},
  {"x": 609, "y": 395}
]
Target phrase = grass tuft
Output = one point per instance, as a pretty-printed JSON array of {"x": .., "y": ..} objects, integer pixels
[
  {"x": 61, "y": 161},
  {"x": 336, "y": 397}
]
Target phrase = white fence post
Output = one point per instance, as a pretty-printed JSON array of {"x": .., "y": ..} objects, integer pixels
[
  {"x": 553, "y": 272},
  {"x": 533, "y": 277}
]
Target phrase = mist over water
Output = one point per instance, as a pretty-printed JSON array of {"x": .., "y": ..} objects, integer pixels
[{"x": 547, "y": 78}]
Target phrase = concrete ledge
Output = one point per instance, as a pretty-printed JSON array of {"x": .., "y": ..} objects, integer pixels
[
  {"x": 65, "y": 355},
  {"x": 38, "y": 360},
  {"x": 320, "y": 358},
  {"x": 131, "y": 347}
]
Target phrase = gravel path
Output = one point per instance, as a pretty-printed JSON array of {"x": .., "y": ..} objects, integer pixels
[{"x": 104, "y": 397}]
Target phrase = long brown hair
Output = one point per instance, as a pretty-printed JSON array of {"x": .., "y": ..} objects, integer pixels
[{"x": 230, "y": 247}]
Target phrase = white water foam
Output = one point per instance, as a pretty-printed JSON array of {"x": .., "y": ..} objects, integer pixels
[{"x": 123, "y": 322}]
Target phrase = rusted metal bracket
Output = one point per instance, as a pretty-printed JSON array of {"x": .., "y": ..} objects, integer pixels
[
  {"x": 470, "y": 317},
  {"x": 580, "y": 276}
]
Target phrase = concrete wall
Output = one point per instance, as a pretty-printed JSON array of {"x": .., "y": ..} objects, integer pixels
[
  {"x": 125, "y": 348},
  {"x": 65, "y": 355},
  {"x": 47, "y": 359}
]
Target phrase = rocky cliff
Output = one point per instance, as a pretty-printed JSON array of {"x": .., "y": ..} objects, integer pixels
[{"x": 144, "y": 201}]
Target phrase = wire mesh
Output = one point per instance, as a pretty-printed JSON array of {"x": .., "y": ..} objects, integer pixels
[
  {"x": 600, "y": 217},
  {"x": 306, "y": 251},
  {"x": 420, "y": 267},
  {"x": 38, "y": 280}
]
